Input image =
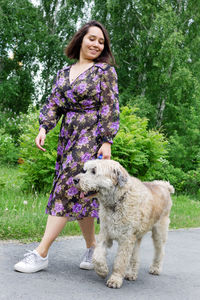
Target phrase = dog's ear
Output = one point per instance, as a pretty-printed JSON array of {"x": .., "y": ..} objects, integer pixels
[{"x": 121, "y": 177}]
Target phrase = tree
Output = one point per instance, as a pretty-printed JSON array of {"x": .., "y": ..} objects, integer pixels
[
  {"x": 156, "y": 45},
  {"x": 60, "y": 23},
  {"x": 20, "y": 27},
  {"x": 35, "y": 36}
]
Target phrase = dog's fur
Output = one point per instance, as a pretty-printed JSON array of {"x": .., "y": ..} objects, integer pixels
[{"x": 128, "y": 209}]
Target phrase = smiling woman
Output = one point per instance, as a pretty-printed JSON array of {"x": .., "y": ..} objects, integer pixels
[
  {"x": 92, "y": 44},
  {"x": 97, "y": 35},
  {"x": 85, "y": 94},
  {"x": 91, "y": 48}
]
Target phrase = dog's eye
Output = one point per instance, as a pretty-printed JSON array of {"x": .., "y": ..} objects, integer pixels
[
  {"x": 93, "y": 171},
  {"x": 83, "y": 171}
]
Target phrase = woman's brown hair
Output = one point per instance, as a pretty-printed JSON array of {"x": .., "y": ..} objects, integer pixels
[{"x": 73, "y": 49}]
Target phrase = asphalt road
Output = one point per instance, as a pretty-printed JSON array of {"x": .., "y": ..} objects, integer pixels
[{"x": 63, "y": 279}]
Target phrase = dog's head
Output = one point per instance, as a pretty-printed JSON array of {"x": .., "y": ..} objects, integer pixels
[{"x": 101, "y": 177}]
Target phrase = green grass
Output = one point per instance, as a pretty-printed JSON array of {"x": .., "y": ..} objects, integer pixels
[
  {"x": 185, "y": 212},
  {"x": 22, "y": 215}
]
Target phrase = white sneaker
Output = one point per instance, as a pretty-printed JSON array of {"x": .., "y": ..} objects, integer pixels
[
  {"x": 32, "y": 262},
  {"x": 86, "y": 263}
]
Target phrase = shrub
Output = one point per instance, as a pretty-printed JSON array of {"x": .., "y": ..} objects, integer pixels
[
  {"x": 8, "y": 150},
  {"x": 168, "y": 172},
  {"x": 38, "y": 167},
  {"x": 11, "y": 123},
  {"x": 183, "y": 182},
  {"x": 192, "y": 182},
  {"x": 136, "y": 148},
  {"x": 184, "y": 150},
  {"x": 139, "y": 150}
]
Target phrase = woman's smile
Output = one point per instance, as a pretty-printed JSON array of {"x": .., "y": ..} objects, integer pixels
[{"x": 92, "y": 44}]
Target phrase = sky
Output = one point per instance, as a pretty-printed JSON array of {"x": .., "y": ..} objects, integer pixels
[{"x": 35, "y": 2}]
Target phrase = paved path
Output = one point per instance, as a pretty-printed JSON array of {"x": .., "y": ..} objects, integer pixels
[{"x": 63, "y": 279}]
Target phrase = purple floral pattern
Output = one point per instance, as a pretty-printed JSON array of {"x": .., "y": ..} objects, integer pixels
[{"x": 90, "y": 116}]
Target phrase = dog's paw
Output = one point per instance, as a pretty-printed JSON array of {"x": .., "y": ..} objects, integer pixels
[
  {"x": 114, "y": 282},
  {"x": 131, "y": 276},
  {"x": 100, "y": 268},
  {"x": 102, "y": 272},
  {"x": 154, "y": 270}
]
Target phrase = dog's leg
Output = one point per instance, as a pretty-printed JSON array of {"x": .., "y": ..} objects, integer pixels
[
  {"x": 159, "y": 236},
  {"x": 132, "y": 270},
  {"x": 121, "y": 262},
  {"x": 99, "y": 256}
]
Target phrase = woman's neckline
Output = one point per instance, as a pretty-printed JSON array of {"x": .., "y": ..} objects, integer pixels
[{"x": 72, "y": 82}]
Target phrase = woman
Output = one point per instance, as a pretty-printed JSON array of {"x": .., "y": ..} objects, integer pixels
[{"x": 86, "y": 94}]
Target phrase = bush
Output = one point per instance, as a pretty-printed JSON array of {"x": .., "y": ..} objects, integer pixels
[
  {"x": 8, "y": 150},
  {"x": 169, "y": 173},
  {"x": 139, "y": 150},
  {"x": 192, "y": 182},
  {"x": 184, "y": 150},
  {"x": 136, "y": 148},
  {"x": 38, "y": 167},
  {"x": 12, "y": 123},
  {"x": 144, "y": 154},
  {"x": 183, "y": 182}
]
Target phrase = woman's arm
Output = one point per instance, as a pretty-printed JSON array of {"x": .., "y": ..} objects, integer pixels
[
  {"x": 109, "y": 111},
  {"x": 52, "y": 110},
  {"x": 40, "y": 139}
]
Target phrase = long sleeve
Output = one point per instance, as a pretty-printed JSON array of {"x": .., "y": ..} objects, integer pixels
[
  {"x": 109, "y": 109},
  {"x": 52, "y": 110}
]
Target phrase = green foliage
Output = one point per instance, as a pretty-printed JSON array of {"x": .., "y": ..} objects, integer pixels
[
  {"x": 8, "y": 150},
  {"x": 158, "y": 58},
  {"x": 157, "y": 61},
  {"x": 143, "y": 152},
  {"x": 185, "y": 212},
  {"x": 19, "y": 26},
  {"x": 26, "y": 210},
  {"x": 192, "y": 182},
  {"x": 12, "y": 123},
  {"x": 139, "y": 150},
  {"x": 157, "y": 52},
  {"x": 183, "y": 182},
  {"x": 38, "y": 167},
  {"x": 60, "y": 20},
  {"x": 184, "y": 151},
  {"x": 32, "y": 41},
  {"x": 168, "y": 172},
  {"x": 185, "y": 143}
]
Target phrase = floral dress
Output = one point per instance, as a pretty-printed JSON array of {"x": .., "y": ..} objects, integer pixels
[{"x": 90, "y": 116}]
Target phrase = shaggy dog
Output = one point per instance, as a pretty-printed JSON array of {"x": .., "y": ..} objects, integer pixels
[{"x": 128, "y": 209}]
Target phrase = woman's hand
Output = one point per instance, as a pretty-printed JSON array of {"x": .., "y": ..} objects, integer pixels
[
  {"x": 40, "y": 139},
  {"x": 105, "y": 150}
]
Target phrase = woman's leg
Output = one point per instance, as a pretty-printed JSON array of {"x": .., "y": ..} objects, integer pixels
[
  {"x": 37, "y": 259},
  {"x": 88, "y": 231},
  {"x": 53, "y": 228}
]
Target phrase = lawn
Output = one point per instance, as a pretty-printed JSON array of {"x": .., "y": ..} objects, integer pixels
[{"x": 22, "y": 214}]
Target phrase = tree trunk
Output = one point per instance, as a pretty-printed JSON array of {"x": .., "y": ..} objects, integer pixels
[{"x": 161, "y": 108}]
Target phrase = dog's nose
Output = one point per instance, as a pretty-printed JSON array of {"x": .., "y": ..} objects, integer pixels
[{"x": 76, "y": 180}]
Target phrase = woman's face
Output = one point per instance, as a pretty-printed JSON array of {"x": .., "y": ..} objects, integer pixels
[{"x": 92, "y": 44}]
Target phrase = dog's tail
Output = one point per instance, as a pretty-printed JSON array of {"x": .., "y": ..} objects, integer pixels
[{"x": 166, "y": 184}]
